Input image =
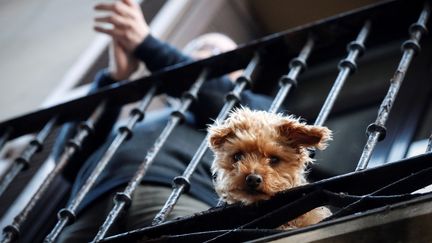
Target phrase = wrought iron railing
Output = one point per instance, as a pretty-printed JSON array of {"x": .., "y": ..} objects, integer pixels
[{"x": 351, "y": 193}]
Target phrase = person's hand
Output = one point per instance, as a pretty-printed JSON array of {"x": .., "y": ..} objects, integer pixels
[
  {"x": 129, "y": 27},
  {"x": 121, "y": 63}
]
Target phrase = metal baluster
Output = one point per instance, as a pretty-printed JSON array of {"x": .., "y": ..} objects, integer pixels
[
  {"x": 377, "y": 131},
  {"x": 429, "y": 146},
  {"x": 347, "y": 66},
  {"x": 286, "y": 82},
  {"x": 4, "y": 138},
  {"x": 181, "y": 183},
  {"x": 67, "y": 215},
  {"x": 23, "y": 161},
  {"x": 12, "y": 231},
  {"x": 122, "y": 200}
]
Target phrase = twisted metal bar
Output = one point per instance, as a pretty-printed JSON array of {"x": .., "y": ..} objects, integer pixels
[
  {"x": 122, "y": 200},
  {"x": 23, "y": 161},
  {"x": 377, "y": 131},
  {"x": 286, "y": 82},
  {"x": 346, "y": 66},
  {"x": 12, "y": 231},
  {"x": 4, "y": 138},
  {"x": 181, "y": 183},
  {"x": 67, "y": 215}
]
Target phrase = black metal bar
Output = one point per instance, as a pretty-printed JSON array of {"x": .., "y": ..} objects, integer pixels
[
  {"x": 4, "y": 138},
  {"x": 355, "y": 206},
  {"x": 239, "y": 235},
  {"x": 312, "y": 200},
  {"x": 67, "y": 215},
  {"x": 339, "y": 199},
  {"x": 123, "y": 199},
  {"x": 429, "y": 146},
  {"x": 23, "y": 161},
  {"x": 286, "y": 82},
  {"x": 12, "y": 231},
  {"x": 377, "y": 131},
  {"x": 346, "y": 66},
  {"x": 181, "y": 183}
]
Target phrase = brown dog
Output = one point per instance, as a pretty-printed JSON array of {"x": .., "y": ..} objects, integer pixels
[{"x": 258, "y": 154}]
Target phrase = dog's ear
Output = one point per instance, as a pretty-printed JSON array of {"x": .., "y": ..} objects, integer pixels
[
  {"x": 302, "y": 135},
  {"x": 218, "y": 135}
]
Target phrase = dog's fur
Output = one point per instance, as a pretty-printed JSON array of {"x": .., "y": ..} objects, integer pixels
[{"x": 270, "y": 147}]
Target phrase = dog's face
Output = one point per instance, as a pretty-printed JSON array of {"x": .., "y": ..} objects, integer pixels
[{"x": 258, "y": 154}]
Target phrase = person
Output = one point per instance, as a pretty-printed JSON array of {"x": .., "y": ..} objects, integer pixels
[{"x": 133, "y": 42}]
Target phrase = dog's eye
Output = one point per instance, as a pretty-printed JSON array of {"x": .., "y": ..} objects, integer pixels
[
  {"x": 238, "y": 156},
  {"x": 274, "y": 160}
]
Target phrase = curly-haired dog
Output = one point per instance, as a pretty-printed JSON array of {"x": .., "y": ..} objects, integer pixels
[{"x": 258, "y": 154}]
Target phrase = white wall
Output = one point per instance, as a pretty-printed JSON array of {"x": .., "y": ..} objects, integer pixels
[{"x": 39, "y": 41}]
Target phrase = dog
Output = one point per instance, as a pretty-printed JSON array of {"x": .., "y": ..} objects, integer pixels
[{"x": 258, "y": 154}]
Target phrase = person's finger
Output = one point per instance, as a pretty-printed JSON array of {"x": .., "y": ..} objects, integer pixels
[
  {"x": 130, "y": 3},
  {"x": 115, "y": 33},
  {"x": 119, "y": 35},
  {"x": 135, "y": 8},
  {"x": 118, "y": 7},
  {"x": 116, "y": 20},
  {"x": 104, "y": 7}
]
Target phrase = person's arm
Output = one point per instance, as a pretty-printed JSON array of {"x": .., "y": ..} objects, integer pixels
[
  {"x": 128, "y": 29},
  {"x": 157, "y": 54}
]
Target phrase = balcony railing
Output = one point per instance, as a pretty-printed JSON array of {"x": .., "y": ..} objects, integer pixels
[{"x": 349, "y": 194}]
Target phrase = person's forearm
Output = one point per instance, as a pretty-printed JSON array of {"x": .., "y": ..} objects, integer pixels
[{"x": 158, "y": 55}]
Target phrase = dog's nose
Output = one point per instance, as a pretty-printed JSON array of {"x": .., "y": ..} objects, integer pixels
[{"x": 253, "y": 180}]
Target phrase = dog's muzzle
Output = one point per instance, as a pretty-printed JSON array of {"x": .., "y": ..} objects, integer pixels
[{"x": 253, "y": 181}]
